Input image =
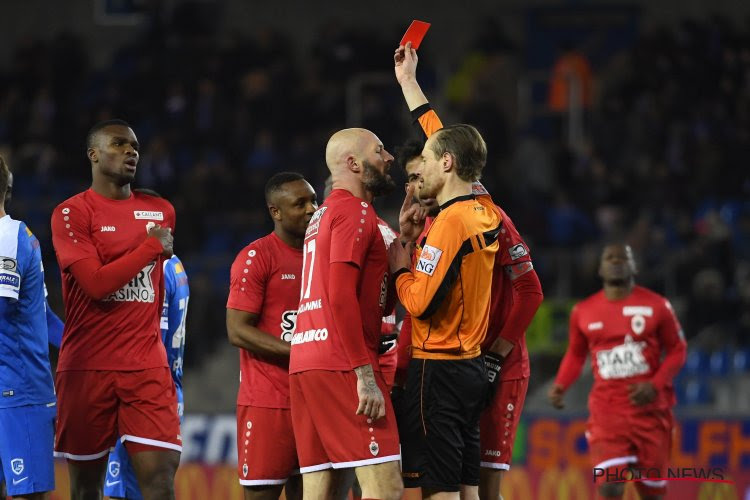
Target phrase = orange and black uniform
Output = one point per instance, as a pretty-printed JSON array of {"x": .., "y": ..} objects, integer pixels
[{"x": 447, "y": 293}]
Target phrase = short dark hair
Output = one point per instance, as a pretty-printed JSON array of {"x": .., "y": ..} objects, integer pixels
[
  {"x": 96, "y": 128},
  {"x": 408, "y": 151},
  {"x": 465, "y": 144},
  {"x": 147, "y": 191},
  {"x": 4, "y": 175},
  {"x": 277, "y": 180}
]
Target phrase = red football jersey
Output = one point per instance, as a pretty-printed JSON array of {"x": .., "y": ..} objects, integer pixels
[
  {"x": 265, "y": 280},
  {"x": 122, "y": 331},
  {"x": 344, "y": 229},
  {"x": 626, "y": 339},
  {"x": 512, "y": 251},
  {"x": 388, "y": 360}
]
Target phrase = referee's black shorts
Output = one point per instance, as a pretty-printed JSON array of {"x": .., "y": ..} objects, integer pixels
[{"x": 438, "y": 423}]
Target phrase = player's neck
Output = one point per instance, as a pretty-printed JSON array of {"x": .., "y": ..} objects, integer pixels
[
  {"x": 2, "y": 213},
  {"x": 354, "y": 186},
  {"x": 290, "y": 239},
  {"x": 618, "y": 290},
  {"x": 110, "y": 189},
  {"x": 453, "y": 188}
]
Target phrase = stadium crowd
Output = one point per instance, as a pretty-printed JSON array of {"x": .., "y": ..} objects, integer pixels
[{"x": 661, "y": 165}]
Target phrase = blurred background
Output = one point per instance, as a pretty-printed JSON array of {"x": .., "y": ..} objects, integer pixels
[{"x": 603, "y": 120}]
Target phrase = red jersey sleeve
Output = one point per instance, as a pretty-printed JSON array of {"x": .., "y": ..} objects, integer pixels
[
  {"x": 513, "y": 250},
  {"x": 575, "y": 356},
  {"x": 352, "y": 230},
  {"x": 71, "y": 234},
  {"x": 248, "y": 279},
  {"x": 673, "y": 345}
]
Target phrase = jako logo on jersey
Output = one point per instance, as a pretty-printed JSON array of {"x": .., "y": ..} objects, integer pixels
[
  {"x": 428, "y": 259},
  {"x": 314, "y": 225},
  {"x": 145, "y": 214},
  {"x": 492, "y": 453},
  {"x": 138, "y": 289},
  {"x": 516, "y": 252},
  {"x": 310, "y": 336},
  {"x": 597, "y": 325},
  {"x": 108, "y": 229},
  {"x": 288, "y": 323},
  {"x": 17, "y": 466},
  {"x": 288, "y": 276}
]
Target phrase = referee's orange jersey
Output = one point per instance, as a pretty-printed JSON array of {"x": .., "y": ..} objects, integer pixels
[{"x": 447, "y": 292}]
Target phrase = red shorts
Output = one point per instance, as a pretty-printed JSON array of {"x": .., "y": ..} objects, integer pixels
[
  {"x": 498, "y": 423},
  {"x": 95, "y": 407},
  {"x": 266, "y": 453},
  {"x": 327, "y": 431},
  {"x": 643, "y": 441}
]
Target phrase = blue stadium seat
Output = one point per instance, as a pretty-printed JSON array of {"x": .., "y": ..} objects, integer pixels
[
  {"x": 696, "y": 392},
  {"x": 720, "y": 363},
  {"x": 741, "y": 361},
  {"x": 697, "y": 362}
]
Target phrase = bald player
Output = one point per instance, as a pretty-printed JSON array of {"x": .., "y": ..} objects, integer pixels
[{"x": 341, "y": 418}]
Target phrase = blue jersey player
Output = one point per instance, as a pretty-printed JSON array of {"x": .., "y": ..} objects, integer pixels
[
  {"x": 27, "y": 397},
  {"x": 121, "y": 481}
]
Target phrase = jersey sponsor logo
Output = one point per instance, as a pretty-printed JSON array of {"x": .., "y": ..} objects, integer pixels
[
  {"x": 8, "y": 264},
  {"x": 387, "y": 233},
  {"x": 138, "y": 289},
  {"x": 596, "y": 325},
  {"x": 288, "y": 324},
  {"x": 622, "y": 361},
  {"x": 492, "y": 453},
  {"x": 638, "y": 311},
  {"x": 17, "y": 466},
  {"x": 310, "y": 336},
  {"x": 9, "y": 393},
  {"x": 428, "y": 259},
  {"x": 147, "y": 214},
  {"x": 108, "y": 229},
  {"x": 517, "y": 251},
  {"x": 10, "y": 281},
  {"x": 310, "y": 306},
  {"x": 114, "y": 468},
  {"x": 314, "y": 225},
  {"x": 287, "y": 276}
]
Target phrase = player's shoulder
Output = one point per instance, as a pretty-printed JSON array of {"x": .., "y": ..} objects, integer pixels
[
  {"x": 261, "y": 248},
  {"x": 341, "y": 200},
  {"x": 77, "y": 202},
  {"x": 155, "y": 202},
  {"x": 651, "y": 297},
  {"x": 592, "y": 301},
  {"x": 13, "y": 233},
  {"x": 174, "y": 265}
]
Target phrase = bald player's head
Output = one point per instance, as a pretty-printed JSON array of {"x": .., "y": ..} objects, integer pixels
[{"x": 346, "y": 145}]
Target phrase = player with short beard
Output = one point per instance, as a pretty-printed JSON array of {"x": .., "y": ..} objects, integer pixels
[
  {"x": 341, "y": 418},
  {"x": 637, "y": 347}
]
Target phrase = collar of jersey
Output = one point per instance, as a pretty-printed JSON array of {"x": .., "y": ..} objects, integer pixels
[{"x": 450, "y": 202}]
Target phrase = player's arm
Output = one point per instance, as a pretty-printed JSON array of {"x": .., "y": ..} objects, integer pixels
[
  {"x": 423, "y": 291},
  {"x": 572, "y": 363},
  {"x": 674, "y": 349},
  {"x": 77, "y": 252},
  {"x": 54, "y": 326},
  {"x": 243, "y": 332}
]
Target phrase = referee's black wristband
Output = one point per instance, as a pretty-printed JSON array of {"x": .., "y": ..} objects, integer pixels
[{"x": 400, "y": 272}]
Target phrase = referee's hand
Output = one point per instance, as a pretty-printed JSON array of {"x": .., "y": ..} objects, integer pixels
[{"x": 371, "y": 400}]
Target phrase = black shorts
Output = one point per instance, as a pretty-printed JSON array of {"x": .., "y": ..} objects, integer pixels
[{"x": 438, "y": 423}]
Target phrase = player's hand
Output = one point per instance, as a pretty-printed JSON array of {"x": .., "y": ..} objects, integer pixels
[
  {"x": 164, "y": 235},
  {"x": 388, "y": 342},
  {"x": 555, "y": 396},
  {"x": 405, "y": 60},
  {"x": 371, "y": 401},
  {"x": 641, "y": 393},
  {"x": 493, "y": 363},
  {"x": 398, "y": 256},
  {"x": 411, "y": 217}
]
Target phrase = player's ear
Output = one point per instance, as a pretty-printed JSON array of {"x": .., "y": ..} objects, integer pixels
[
  {"x": 275, "y": 212},
  {"x": 352, "y": 164},
  {"x": 447, "y": 161},
  {"x": 92, "y": 155}
]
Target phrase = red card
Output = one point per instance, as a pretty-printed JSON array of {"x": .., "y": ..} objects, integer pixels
[{"x": 415, "y": 33}]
